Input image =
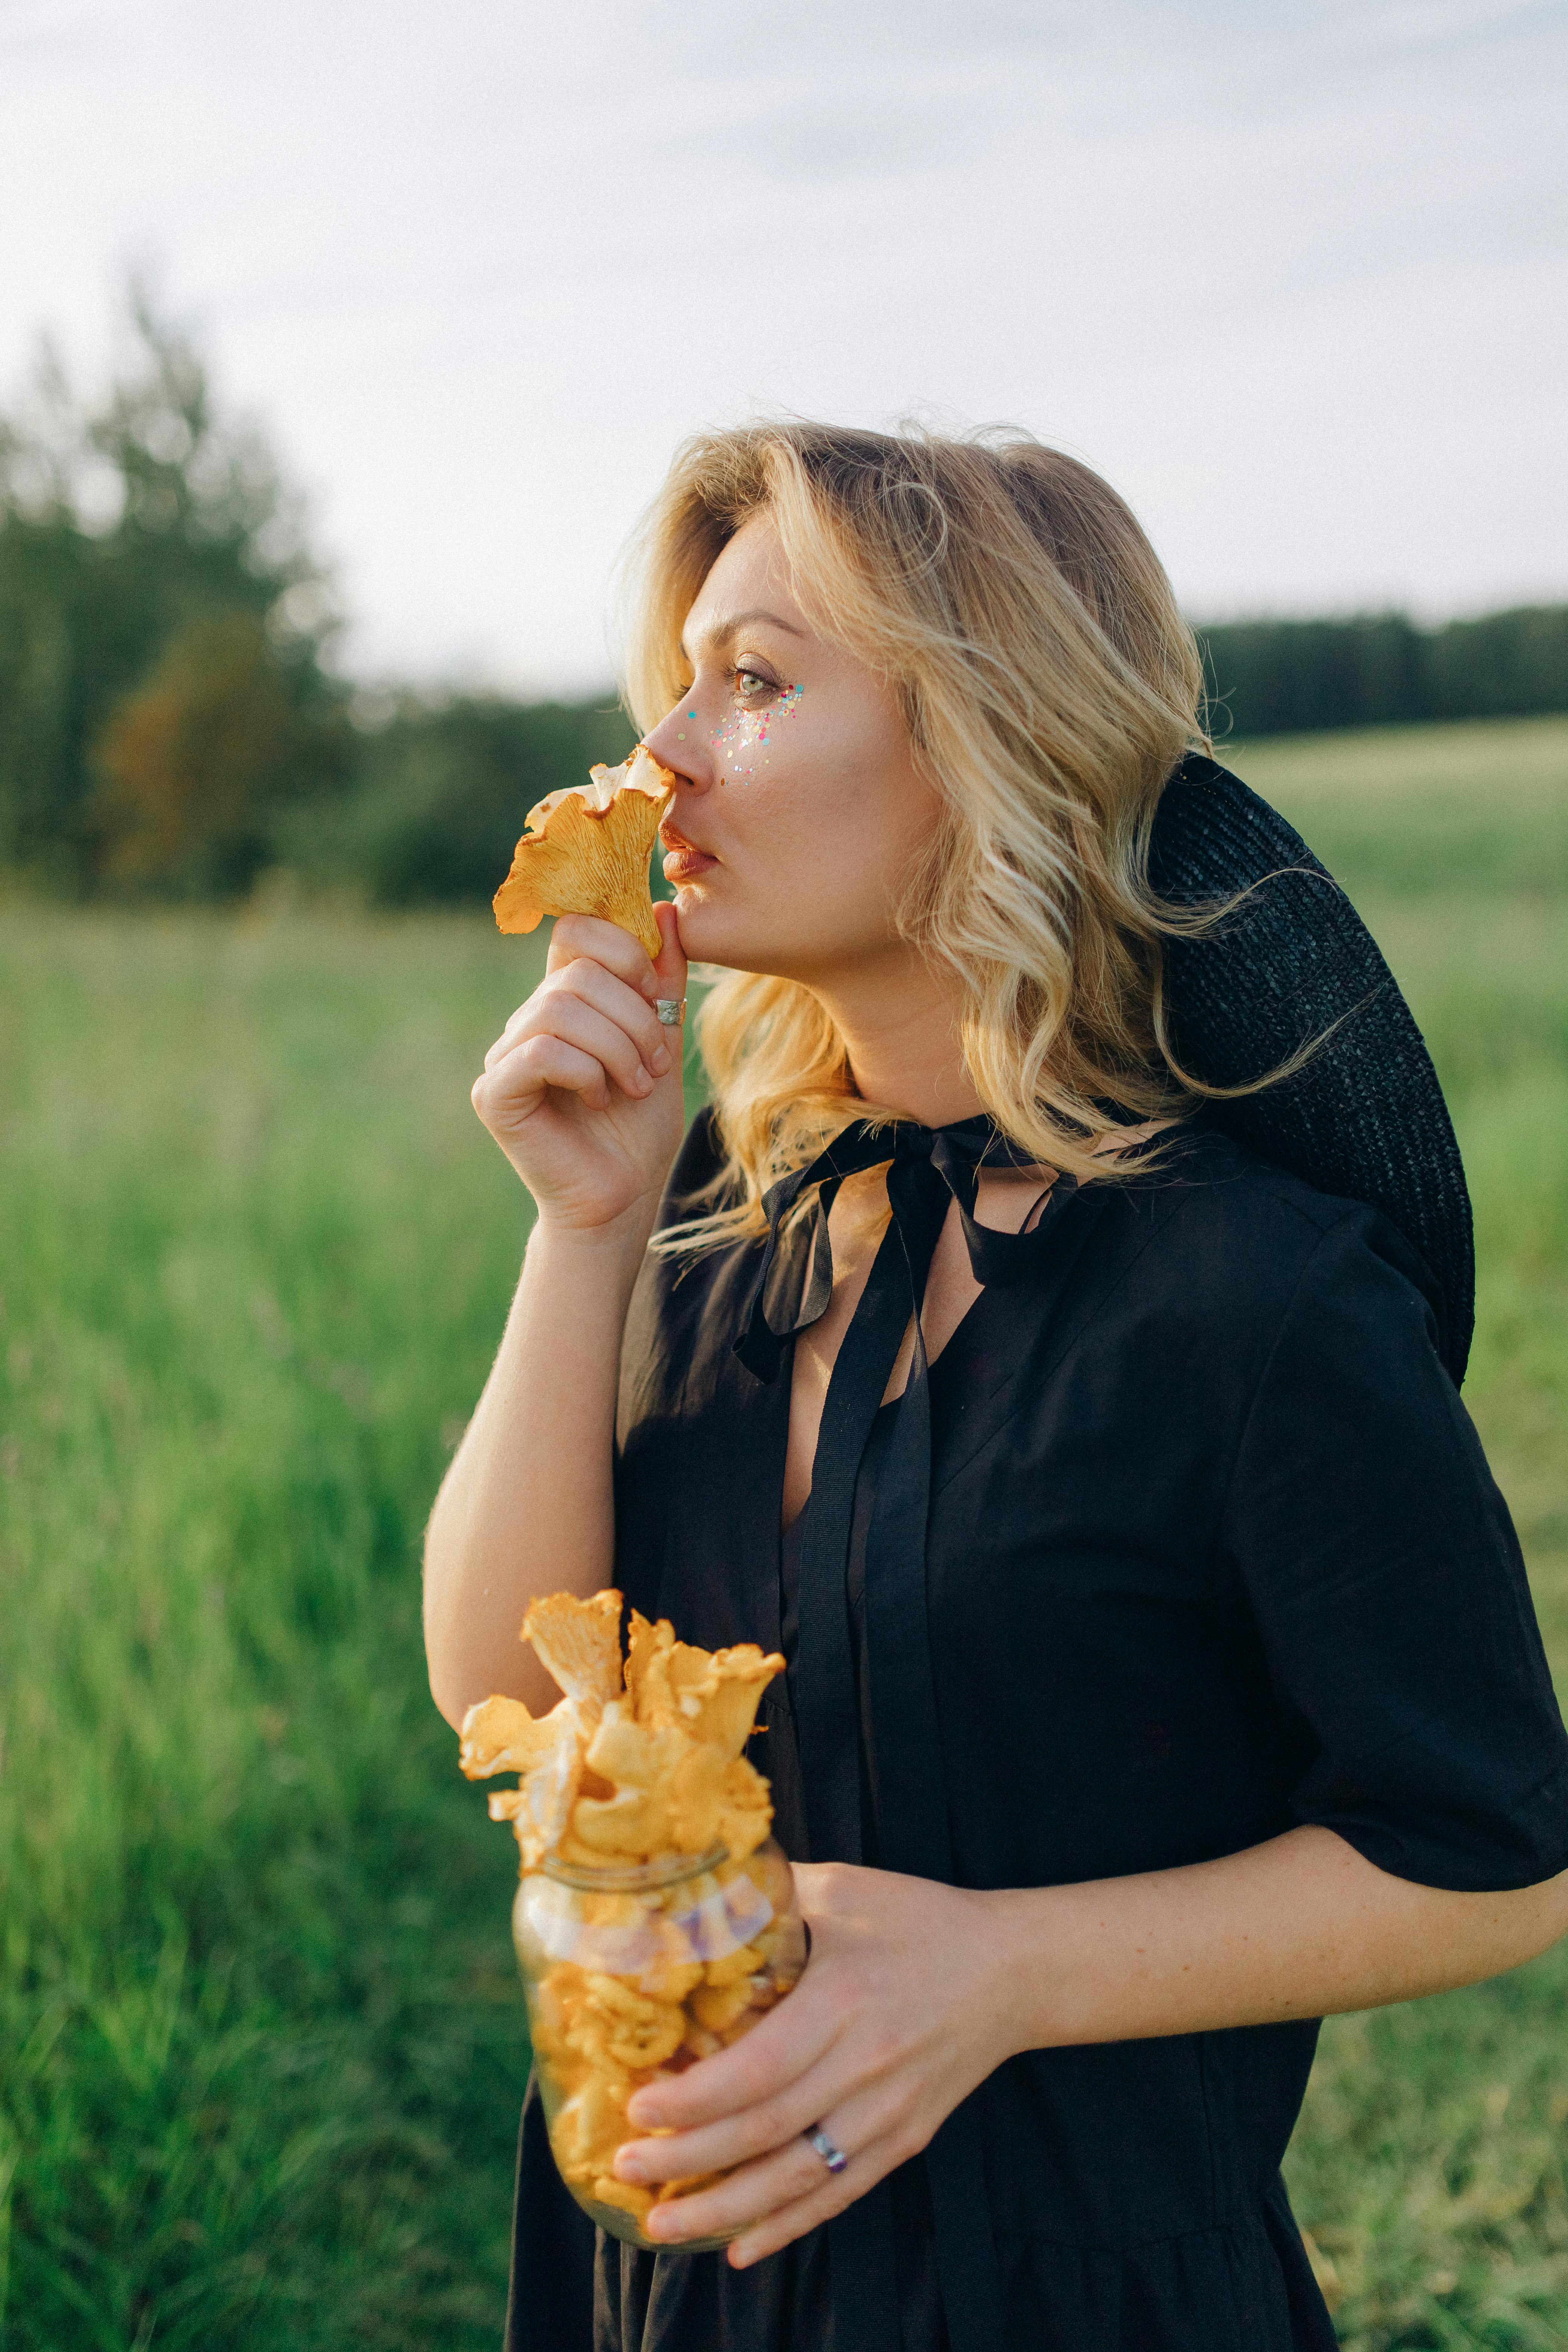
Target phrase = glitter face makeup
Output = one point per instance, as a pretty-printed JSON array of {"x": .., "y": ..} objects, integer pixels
[{"x": 745, "y": 734}]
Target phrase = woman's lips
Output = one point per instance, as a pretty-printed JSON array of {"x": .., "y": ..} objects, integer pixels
[
  {"x": 686, "y": 864},
  {"x": 682, "y": 862}
]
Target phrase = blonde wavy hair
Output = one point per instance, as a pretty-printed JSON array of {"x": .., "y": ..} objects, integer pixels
[{"x": 1050, "y": 686}]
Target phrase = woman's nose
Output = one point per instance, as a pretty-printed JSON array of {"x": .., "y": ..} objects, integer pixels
[{"x": 680, "y": 742}]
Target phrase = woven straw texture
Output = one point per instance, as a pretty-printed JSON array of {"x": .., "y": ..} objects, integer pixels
[{"x": 1364, "y": 1118}]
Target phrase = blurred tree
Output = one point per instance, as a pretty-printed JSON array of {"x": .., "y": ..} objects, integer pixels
[
  {"x": 1277, "y": 677},
  {"x": 444, "y": 787},
  {"x": 1502, "y": 665},
  {"x": 193, "y": 763},
  {"x": 1372, "y": 669},
  {"x": 141, "y": 536}
]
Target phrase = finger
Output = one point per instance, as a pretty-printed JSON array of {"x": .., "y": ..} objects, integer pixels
[
  {"x": 790, "y": 2040},
  {"x": 746, "y": 2197},
  {"x": 670, "y": 967},
  {"x": 863, "y": 2110},
  {"x": 546, "y": 1013},
  {"x": 829, "y": 2195},
  {"x": 564, "y": 1015},
  {"x": 509, "y": 1036},
  {"x": 606, "y": 943},
  {"x": 734, "y": 2139},
  {"x": 618, "y": 1002},
  {"x": 500, "y": 1095},
  {"x": 793, "y": 2183},
  {"x": 523, "y": 1023}
]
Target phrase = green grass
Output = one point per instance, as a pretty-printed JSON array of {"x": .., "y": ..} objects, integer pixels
[
  {"x": 261, "y": 2047},
  {"x": 1404, "y": 812},
  {"x": 263, "y": 2043}
]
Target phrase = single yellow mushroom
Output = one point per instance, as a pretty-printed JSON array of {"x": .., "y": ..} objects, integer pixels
[{"x": 585, "y": 851}]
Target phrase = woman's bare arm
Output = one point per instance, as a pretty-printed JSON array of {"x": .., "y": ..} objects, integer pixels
[
  {"x": 583, "y": 1092},
  {"x": 525, "y": 1507},
  {"x": 1302, "y": 1926},
  {"x": 915, "y": 1992}
]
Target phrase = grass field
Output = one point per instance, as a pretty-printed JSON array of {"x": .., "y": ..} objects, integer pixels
[{"x": 262, "y": 2046}]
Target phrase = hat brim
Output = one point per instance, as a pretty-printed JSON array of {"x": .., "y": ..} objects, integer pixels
[{"x": 1364, "y": 1118}]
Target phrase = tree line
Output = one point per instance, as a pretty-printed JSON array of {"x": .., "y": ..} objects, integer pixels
[
  {"x": 1374, "y": 669},
  {"x": 171, "y": 721}
]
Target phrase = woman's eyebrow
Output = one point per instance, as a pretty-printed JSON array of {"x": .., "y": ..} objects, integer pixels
[{"x": 719, "y": 632}]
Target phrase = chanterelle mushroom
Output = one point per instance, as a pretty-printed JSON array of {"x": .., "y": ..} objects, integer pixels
[{"x": 585, "y": 851}]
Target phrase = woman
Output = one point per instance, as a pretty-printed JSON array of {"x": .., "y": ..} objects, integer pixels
[{"x": 1161, "y": 1671}]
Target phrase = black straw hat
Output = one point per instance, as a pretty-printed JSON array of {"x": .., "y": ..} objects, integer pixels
[{"x": 1364, "y": 1116}]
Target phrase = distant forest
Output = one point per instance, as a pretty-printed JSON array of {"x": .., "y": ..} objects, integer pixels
[
  {"x": 1374, "y": 669},
  {"x": 170, "y": 723}
]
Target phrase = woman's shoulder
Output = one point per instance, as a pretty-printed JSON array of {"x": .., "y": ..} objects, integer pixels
[
  {"x": 1202, "y": 1185},
  {"x": 1211, "y": 1234},
  {"x": 1252, "y": 1235},
  {"x": 1213, "y": 1175}
]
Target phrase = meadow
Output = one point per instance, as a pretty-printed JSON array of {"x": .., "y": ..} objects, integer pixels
[{"x": 261, "y": 2046}]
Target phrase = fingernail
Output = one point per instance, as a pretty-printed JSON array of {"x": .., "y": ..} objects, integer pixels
[
  {"x": 660, "y": 1059},
  {"x": 642, "y": 1081}
]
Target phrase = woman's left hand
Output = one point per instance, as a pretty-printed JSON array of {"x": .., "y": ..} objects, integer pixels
[{"x": 899, "y": 2015}]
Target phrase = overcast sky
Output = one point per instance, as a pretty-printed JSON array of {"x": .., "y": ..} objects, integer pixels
[{"x": 1292, "y": 273}]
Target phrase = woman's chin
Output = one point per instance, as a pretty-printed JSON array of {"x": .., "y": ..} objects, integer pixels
[
  {"x": 707, "y": 935},
  {"x": 712, "y": 934}
]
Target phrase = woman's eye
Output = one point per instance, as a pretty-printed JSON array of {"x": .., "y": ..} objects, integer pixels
[{"x": 751, "y": 684}]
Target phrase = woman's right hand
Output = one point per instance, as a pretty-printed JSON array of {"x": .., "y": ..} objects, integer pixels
[{"x": 582, "y": 1089}]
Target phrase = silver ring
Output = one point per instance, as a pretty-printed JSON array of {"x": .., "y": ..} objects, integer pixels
[
  {"x": 832, "y": 2155},
  {"x": 671, "y": 1010}
]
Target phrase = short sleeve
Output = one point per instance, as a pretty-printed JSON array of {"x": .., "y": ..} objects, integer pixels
[{"x": 1388, "y": 1586}]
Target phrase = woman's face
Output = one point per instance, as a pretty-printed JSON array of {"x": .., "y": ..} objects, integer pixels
[{"x": 798, "y": 810}]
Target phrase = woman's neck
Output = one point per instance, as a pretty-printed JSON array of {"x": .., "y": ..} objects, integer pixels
[{"x": 900, "y": 1027}]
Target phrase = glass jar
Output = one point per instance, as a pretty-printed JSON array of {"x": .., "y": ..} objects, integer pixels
[{"x": 635, "y": 1973}]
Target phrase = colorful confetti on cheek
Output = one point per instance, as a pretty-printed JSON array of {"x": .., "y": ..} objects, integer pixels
[{"x": 746, "y": 734}]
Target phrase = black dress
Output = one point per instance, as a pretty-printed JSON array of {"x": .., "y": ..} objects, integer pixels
[{"x": 1211, "y": 1550}]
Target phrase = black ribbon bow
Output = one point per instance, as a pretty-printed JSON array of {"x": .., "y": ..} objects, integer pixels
[{"x": 931, "y": 1168}]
